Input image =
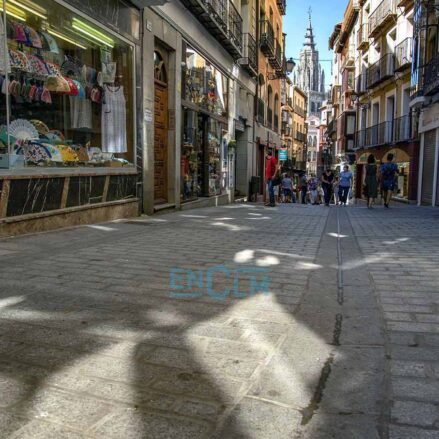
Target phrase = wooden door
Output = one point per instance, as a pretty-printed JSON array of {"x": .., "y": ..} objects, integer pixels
[{"x": 160, "y": 143}]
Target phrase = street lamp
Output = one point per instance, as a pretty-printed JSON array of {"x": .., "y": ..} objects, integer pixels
[{"x": 290, "y": 65}]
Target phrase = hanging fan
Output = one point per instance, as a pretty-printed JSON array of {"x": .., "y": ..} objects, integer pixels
[{"x": 22, "y": 129}]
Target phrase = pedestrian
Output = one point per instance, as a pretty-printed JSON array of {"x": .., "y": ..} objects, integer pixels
[
  {"x": 327, "y": 182},
  {"x": 313, "y": 186},
  {"x": 335, "y": 189},
  {"x": 287, "y": 189},
  {"x": 304, "y": 188},
  {"x": 270, "y": 173},
  {"x": 389, "y": 172},
  {"x": 371, "y": 182},
  {"x": 345, "y": 184}
]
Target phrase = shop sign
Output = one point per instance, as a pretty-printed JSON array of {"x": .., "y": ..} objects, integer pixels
[{"x": 283, "y": 154}]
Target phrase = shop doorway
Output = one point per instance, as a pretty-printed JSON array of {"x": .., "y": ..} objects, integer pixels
[{"x": 160, "y": 130}]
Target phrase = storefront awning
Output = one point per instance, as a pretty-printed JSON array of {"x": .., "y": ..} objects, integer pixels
[{"x": 144, "y": 3}]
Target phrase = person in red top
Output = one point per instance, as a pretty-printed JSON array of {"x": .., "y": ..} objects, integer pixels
[{"x": 270, "y": 172}]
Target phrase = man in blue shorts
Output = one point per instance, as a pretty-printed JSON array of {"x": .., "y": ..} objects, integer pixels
[{"x": 389, "y": 172}]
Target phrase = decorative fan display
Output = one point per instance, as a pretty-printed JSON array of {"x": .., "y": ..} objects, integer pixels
[
  {"x": 55, "y": 154},
  {"x": 41, "y": 127},
  {"x": 22, "y": 129},
  {"x": 67, "y": 153},
  {"x": 36, "y": 153}
]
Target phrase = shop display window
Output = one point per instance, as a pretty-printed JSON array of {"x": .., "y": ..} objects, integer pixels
[
  {"x": 66, "y": 89},
  {"x": 205, "y": 85}
]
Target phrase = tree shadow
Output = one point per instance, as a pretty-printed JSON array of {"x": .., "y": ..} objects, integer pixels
[{"x": 96, "y": 345}]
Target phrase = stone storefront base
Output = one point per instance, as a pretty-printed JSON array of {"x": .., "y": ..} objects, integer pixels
[
  {"x": 42, "y": 222},
  {"x": 219, "y": 200}
]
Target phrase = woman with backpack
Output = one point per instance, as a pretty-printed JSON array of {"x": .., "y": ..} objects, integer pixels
[{"x": 389, "y": 171}]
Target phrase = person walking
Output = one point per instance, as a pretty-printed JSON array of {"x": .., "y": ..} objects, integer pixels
[
  {"x": 371, "y": 181},
  {"x": 345, "y": 184},
  {"x": 327, "y": 182},
  {"x": 313, "y": 186},
  {"x": 304, "y": 188},
  {"x": 270, "y": 173},
  {"x": 287, "y": 189},
  {"x": 389, "y": 171},
  {"x": 335, "y": 189}
]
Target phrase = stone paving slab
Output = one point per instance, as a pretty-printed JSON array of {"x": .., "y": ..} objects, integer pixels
[{"x": 343, "y": 345}]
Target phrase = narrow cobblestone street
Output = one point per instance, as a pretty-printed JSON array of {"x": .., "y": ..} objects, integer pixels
[{"x": 346, "y": 344}]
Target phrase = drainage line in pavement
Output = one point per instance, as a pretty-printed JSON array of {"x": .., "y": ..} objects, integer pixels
[
  {"x": 337, "y": 330},
  {"x": 308, "y": 412},
  {"x": 340, "y": 292}
]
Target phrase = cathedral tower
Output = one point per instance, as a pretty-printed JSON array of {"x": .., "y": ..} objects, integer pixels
[{"x": 309, "y": 75}]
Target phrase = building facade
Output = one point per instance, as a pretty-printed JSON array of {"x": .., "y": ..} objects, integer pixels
[
  {"x": 385, "y": 122},
  {"x": 425, "y": 87},
  {"x": 294, "y": 104},
  {"x": 271, "y": 69},
  {"x": 372, "y": 89}
]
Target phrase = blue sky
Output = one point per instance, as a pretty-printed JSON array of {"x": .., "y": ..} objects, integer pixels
[{"x": 325, "y": 14}]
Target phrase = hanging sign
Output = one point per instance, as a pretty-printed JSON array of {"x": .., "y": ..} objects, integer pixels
[{"x": 283, "y": 154}]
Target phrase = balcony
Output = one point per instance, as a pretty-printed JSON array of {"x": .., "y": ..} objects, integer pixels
[
  {"x": 249, "y": 61},
  {"x": 431, "y": 76},
  {"x": 276, "y": 61},
  {"x": 384, "y": 15},
  {"x": 403, "y": 55},
  {"x": 269, "y": 121},
  {"x": 363, "y": 37},
  {"x": 361, "y": 84},
  {"x": 286, "y": 129},
  {"x": 300, "y": 136},
  {"x": 266, "y": 39},
  {"x": 222, "y": 20},
  {"x": 406, "y": 4},
  {"x": 381, "y": 70},
  {"x": 282, "y": 6},
  {"x": 299, "y": 111},
  {"x": 261, "y": 111},
  {"x": 403, "y": 129},
  {"x": 398, "y": 130}
]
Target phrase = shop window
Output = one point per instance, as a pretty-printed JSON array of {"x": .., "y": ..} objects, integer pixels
[
  {"x": 204, "y": 148},
  {"x": 67, "y": 95},
  {"x": 205, "y": 85}
]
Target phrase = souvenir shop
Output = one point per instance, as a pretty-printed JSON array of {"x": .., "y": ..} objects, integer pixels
[
  {"x": 204, "y": 150},
  {"x": 67, "y": 110}
]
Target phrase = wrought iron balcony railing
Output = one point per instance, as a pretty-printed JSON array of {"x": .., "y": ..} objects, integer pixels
[
  {"x": 282, "y": 6},
  {"x": 403, "y": 55},
  {"x": 300, "y": 111},
  {"x": 249, "y": 61},
  {"x": 383, "y": 69},
  {"x": 381, "y": 17},
  {"x": 222, "y": 20},
  {"x": 235, "y": 25},
  {"x": 266, "y": 38},
  {"x": 431, "y": 76},
  {"x": 361, "y": 84},
  {"x": 403, "y": 129},
  {"x": 299, "y": 136},
  {"x": 363, "y": 37},
  {"x": 398, "y": 130}
]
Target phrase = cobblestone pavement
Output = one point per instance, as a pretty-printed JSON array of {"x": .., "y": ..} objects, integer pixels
[{"x": 94, "y": 342}]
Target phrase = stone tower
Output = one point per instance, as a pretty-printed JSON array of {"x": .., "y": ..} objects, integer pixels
[{"x": 309, "y": 75}]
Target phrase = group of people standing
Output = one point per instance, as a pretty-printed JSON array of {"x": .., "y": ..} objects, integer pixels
[{"x": 332, "y": 187}]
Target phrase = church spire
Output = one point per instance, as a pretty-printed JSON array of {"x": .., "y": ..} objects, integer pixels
[{"x": 309, "y": 37}]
